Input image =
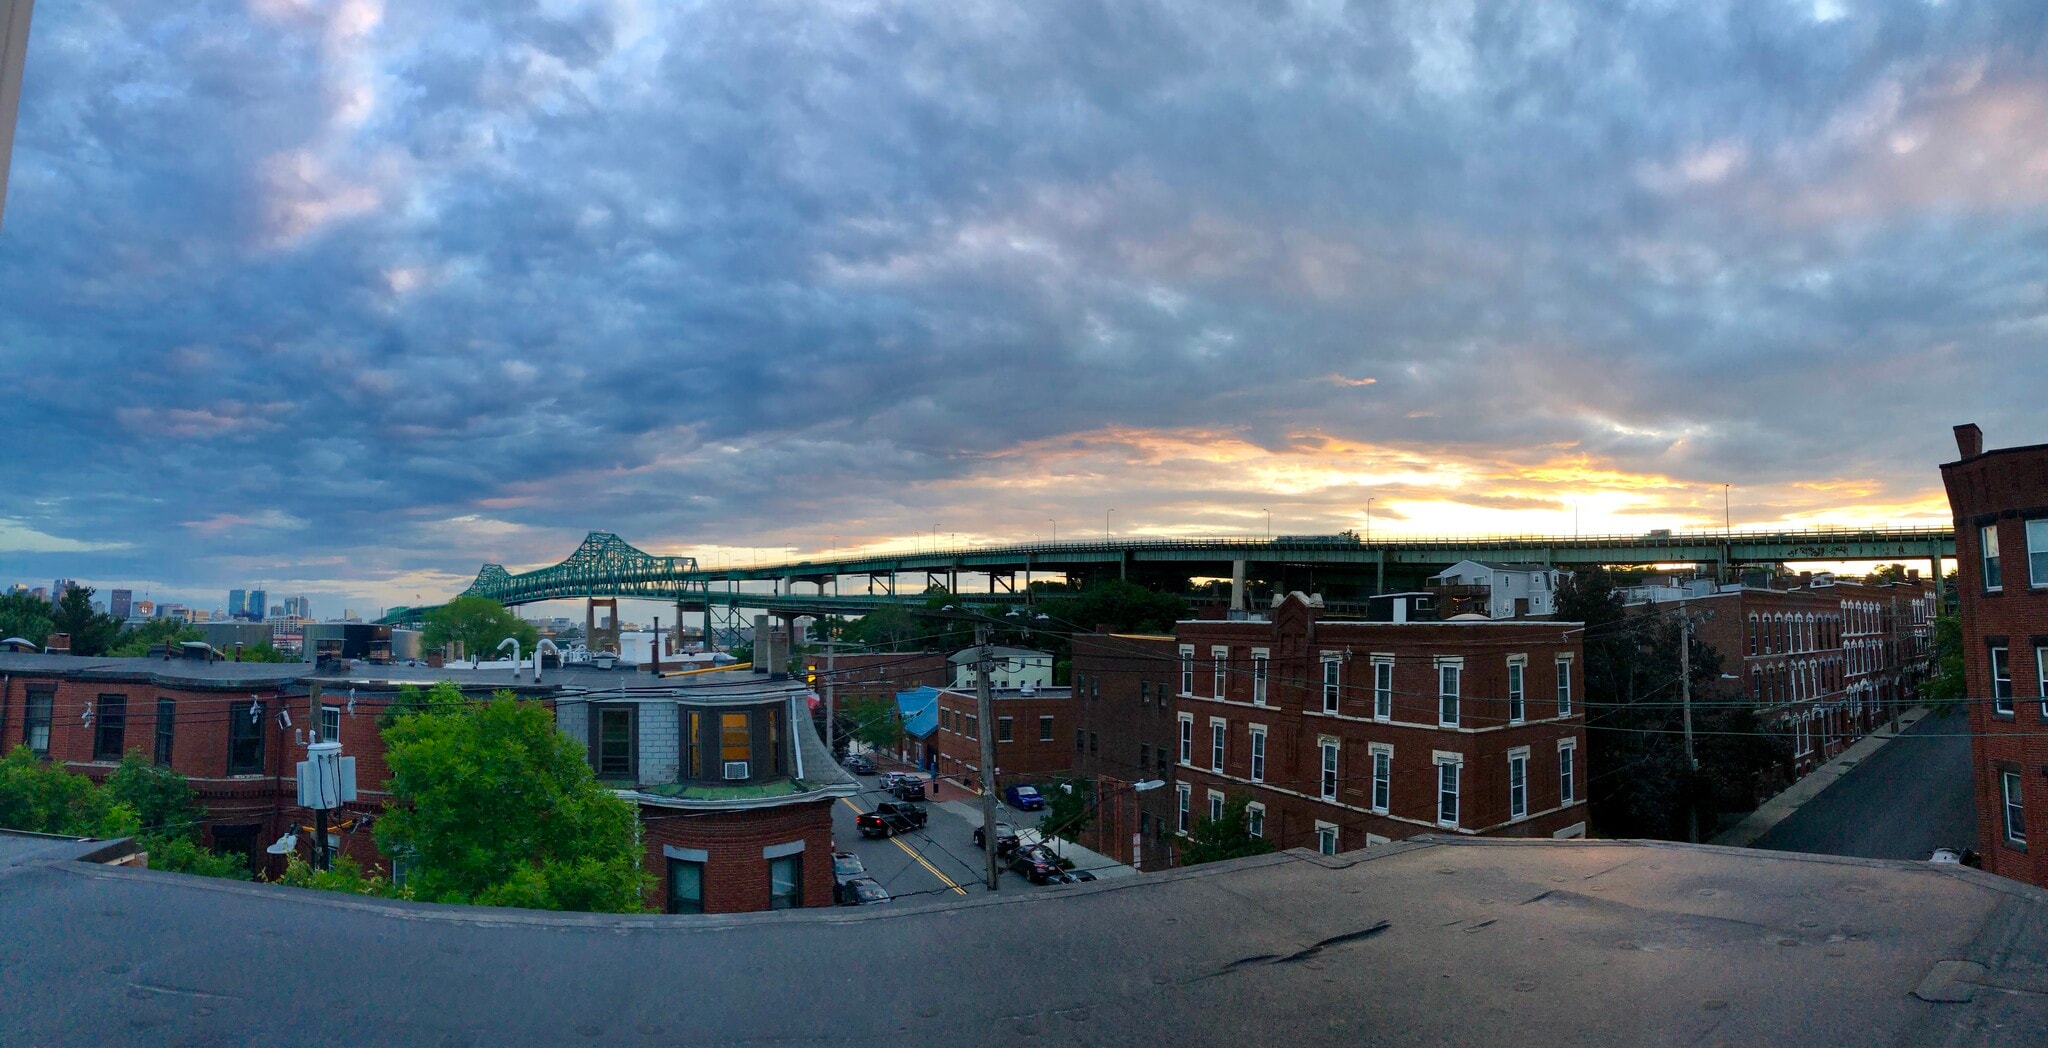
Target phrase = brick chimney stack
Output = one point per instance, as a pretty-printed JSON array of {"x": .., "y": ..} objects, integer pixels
[{"x": 1969, "y": 440}]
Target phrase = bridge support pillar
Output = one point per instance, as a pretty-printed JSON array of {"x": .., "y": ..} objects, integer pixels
[
  {"x": 1237, "y": 585},
  {"x": 1379, "y": 583}
]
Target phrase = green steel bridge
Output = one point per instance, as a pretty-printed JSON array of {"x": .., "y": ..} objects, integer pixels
[{"x": 607, "y": 566}]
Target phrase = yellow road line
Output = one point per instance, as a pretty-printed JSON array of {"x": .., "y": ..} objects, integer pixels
[{"x": 912, "y": 852}]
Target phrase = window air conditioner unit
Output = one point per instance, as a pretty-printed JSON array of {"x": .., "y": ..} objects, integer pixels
[{"x": 735, "y": 769}]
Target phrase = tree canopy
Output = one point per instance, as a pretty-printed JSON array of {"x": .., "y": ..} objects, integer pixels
[
  {"x": 1230, "y": 837},
  {"x": 875, "y": 722},
  {"x": 479, "y": 625},
  {"x": 154, "y": 805},
  {"x": 136, "y": 642},
  {"x": 23, "y": 615},
  {"x": 493, "y": 806},
  {"x": 92, "y": 632}
]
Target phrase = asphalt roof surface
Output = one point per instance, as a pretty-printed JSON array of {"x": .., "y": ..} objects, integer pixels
[{"x": 1454, "y": 942}]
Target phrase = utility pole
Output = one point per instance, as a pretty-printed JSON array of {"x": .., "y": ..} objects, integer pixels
[
  {"x": 1692, "y": 765},
  {"x": 985, "y": 730},
  {"x": 831, "y": 711}
]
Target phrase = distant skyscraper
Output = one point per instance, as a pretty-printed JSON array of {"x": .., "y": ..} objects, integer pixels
[
  {"x": 58, "y": 588},
  {"x": 238, "y": 603},
  {"x": 40, "y": 593},
  {"x": 259, "y": 601},
  {"x": 123, "y": 603},
  {"x": 144, "y": 609},
  {"x": 170, "y": 611}
]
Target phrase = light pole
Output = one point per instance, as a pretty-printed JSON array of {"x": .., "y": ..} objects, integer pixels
[
  {"x": 1106, "y": 530},
  {"x": 1055, "y": 528},
  {"x": 1724, "y": 512},
  {"x": 1269, "y": 523},
  {"x": 1368, "y": 520}
]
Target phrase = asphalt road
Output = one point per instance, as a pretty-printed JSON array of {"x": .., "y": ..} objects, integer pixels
[
  {"x": 1913, "y": 795},
  {"x": 926, "y": 864}
]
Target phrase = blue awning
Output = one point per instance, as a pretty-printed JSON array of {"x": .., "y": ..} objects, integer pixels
[{"x": 920, "y": 710}]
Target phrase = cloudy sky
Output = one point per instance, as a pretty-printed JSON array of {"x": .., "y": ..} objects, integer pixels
[{"x": 350, "y": 296}]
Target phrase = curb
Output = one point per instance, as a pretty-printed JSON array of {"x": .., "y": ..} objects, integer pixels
[{"x": 1794, "y": 797}]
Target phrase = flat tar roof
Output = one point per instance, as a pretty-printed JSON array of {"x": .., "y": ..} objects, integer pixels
[{"x": 1423, "y": 942}]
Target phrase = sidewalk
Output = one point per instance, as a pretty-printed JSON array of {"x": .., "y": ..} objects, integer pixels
[
  {"x": 1776, "y": 810},
  {"x": 1102, "y": 866}
]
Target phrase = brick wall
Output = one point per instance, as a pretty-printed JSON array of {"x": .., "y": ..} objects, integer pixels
[
  {"x": 1123, "y": 701},
  {"x": 736, "y": 874},
  {"x": 2002, "y": 490},
  {"x": 1026, "y": 757}
]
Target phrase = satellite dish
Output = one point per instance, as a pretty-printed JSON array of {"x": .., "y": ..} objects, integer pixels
[{"x": 285, "y": 845}]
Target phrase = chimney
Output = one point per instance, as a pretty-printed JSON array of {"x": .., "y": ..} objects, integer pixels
[{"x": 1969, "y": 440}]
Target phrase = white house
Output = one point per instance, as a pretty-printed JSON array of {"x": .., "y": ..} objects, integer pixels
[
  {"x": 1014, "y": 668},
  {"x": 1513, "y": 590}
]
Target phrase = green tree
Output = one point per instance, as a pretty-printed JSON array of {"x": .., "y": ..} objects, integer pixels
[
  {"x": 1229, "y": 837},
  {"x": 1124, "y": 607},
  {"x": 1947, "y": 687},
  {"x": 22, "y": 615},
  {"x": 1068, "y": 812},
  {"x": 1886, "y": 573},
  {"x": 479, "y": 625},
  {"x": 41, "y": 797},
  {"x": 499, "y": 808},
  {"x": 161, "y": 798},
  {"x": 136, "y": 642},
  {"x": 92, "y": 633},
  {"x": 263, "y": 652},
  {"x": 178, "y": 854},
  {"x": 444, "y": 697},
  {"x": 875, "y": 722},
  {"x": 343, "y": 875}
]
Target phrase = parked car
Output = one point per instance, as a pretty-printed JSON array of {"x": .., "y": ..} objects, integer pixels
[
  {"x": 1006, "y": 838},
  {"x": 890, "y": 818},
  {"x": 909, "y": 787},
  {"x": 862, "y": 891},
  {"x": 1024, "y": 798},
  {"x": 845, "y": 867},
  {"x": 1038, "y": 864},
  {"x": 859, "y": 764}
]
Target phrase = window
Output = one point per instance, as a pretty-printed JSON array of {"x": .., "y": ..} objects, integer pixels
[
  {"x": 35, "y": 721},
  {"x": 1219, "y": 661},
  {"x": 1332, "y": 682},
  {"x": 612, "y": 742},
  {"x": 1160, "y": 755},
  {"x": 1383, "y": 689},
  {"x": 1255, "y": 819},
  {"x": 1258, "y": 754},
  {"x": 1080, "y": 741},
  {"x": 1181, "y": 823},
  {"x": 1518, "y": 783},
  {"x": 1752, "y": 635},
  {"x": 2037, "y": 552},
  {"x": 1447, "y": 769},
  {"x": 1187, "y": 669},
  {"x": 330, "y": 724},
  {"x": 1215, "y": 806},
  {"x": 1382, "y": 776},
  {"x": 1259, "y": 677},
  {"x": 1326, "y": 839},
  {"x": 685, "y": 886},
  {"x": 2015, "y": 810},
  {"x": 1329, "y": 783},
  {"x": 693, "y": 752},
  {"x": 245, "y": 740},
  {"x": 1144, "y": 756},
  {"x": 1093, "y": 741},
  {"x": 974, "y": 726},
  {"x": 786, "y": 882},
  {"x": 2001, "y": 682},
  {"x": 1187, "y": 739},
  {"x": 1564, "y": 686},
  {"x": 110, "y": 727},
  {"x": 1988, "y": 535},
  {"x": 1567, "y": 750},
  {"x": 1045, "y": 729},
  {"x": 1515, "y": 704},
  {"x": 1144, "y": 691},
  {"x": 166, "y": 720},
  {"x": 1003, "y": 729},
  {"x": 2041, "y": 672},
  {"x": 1217, "y": 727},
  {"x": 1448, "y": 676}
]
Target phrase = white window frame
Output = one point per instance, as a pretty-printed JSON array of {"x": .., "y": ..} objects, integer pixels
[
  {"x": 2000, "y": 656},
  {"x": 1518, "y": 783},
  {"x": 1219, "y": 664},
  {"x": 1326, "y": 838},
  {"x": 1567, "y": 771},
  {"x": 1450, "y": 700},
  {"x": 1255, "y": 819},
  {"x": 1382, "y": 754},
  {"x": 1333, "y": 681},
  {"x": 1564, "y": 685},
  {"x": 1215, "y": 805},
  {"x": 1987, "y": 539},
  {"x": 1219, "y": 743},
  {"x": 1382, "y": 687},
  {"x": 1258, "y": 753},
  {"x": 1456, "y": 779},
  {"x": 1261, "y": 659},
  {"x": 1332, "y": 751},
  {"x": 2014, "y": 810},
  {"x": 330, "y": 714},
  {"x": 1186, "y": 793},
  {"x": 1187, "y": 669},
  {"x": 1187, "y": 740},
  {"x": 1518, "y": 676},
  {"x": 2041, "y": 670}
]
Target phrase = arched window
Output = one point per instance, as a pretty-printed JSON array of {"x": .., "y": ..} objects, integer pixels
[{"x": 1752, "y": 633}]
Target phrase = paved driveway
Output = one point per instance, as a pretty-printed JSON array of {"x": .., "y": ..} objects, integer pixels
[{"x": 1910, "y": 797}]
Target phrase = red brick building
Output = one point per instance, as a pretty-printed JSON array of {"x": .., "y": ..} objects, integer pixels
[
  {"x": 1036, "y": 735},
  {"x": 878, "y": 675},
  {"x": 1345, "y": 734},
  {"x": 2000, "y": 502},
  {"x": 1123, "y": 702}
]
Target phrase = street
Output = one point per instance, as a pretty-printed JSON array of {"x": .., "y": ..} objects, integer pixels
[
  {"x": 920, "y": 865},
  {"x": 1913, "y": 795}
]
